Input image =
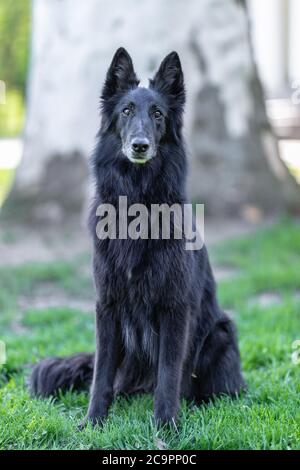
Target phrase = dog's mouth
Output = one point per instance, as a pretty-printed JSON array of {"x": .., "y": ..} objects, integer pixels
[{"x": 139, "y": 159}]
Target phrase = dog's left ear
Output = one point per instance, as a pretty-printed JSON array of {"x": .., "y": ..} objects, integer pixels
[
  {"x": 169, "y": 79},
  {"x": 120, "y": 75}
]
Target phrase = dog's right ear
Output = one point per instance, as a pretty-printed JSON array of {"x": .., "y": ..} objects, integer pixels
[{"x": 120, "y": 75}]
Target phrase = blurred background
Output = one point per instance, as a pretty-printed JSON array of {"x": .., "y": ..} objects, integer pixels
[{"x": 242, "y": 71}]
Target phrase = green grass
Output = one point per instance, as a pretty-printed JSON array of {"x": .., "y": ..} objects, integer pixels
[{"x": 267, "y": 417}]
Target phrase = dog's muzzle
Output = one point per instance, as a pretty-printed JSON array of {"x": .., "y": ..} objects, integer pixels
[{"x": 139, "y": 151}]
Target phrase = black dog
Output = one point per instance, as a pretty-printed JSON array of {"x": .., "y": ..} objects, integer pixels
[{"x": 159, "y": 327}]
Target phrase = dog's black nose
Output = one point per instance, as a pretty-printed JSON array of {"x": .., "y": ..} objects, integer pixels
[{"x": 140, "y": 145}]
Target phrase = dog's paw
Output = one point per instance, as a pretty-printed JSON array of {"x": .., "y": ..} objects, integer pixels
[
  {"x": 93, "y": 420},
  {"x": 165, "y": 420},
  {"x": 165, "y": 413}
]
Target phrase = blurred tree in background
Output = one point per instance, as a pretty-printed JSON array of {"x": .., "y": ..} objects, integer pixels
[{"x": 14, "y": 54}]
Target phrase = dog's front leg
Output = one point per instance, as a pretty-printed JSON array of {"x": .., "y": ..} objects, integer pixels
[
  {"x": 172, "y": 350},
  {"x": 107, "y": 359}
]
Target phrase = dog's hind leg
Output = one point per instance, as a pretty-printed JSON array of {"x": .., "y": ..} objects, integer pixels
[{"x": 218, "y": 370}]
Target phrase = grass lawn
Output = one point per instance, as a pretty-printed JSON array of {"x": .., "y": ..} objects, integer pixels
[{"x": 265, "y": 265}]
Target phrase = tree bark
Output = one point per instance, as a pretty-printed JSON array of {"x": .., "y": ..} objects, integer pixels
[{"x": 235, "y": 149}]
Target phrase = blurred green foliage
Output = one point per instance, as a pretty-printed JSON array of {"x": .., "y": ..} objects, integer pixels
[
  {"x": 12, "y": 114},
  {"x": 6, "y": 178},
  {"x": 14, "y": 54},
  {"x": 14, "y": 43}
]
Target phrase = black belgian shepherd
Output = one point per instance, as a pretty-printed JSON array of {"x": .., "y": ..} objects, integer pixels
[{"x": 159, "y": 328}]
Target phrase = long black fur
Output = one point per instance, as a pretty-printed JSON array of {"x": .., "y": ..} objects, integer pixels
[{"x": 159, "y": 327}]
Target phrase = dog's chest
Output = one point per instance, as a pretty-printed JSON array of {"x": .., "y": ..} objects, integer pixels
[
  {"x": 140, "y": 334},
  {"x": 137, "y": 295}
]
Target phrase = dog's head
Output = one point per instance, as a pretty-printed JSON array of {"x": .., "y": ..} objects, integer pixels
[{"x": 143, "y": 118}]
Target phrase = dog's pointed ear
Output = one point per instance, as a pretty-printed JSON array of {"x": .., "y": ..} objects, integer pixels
[
  {"x": 120, "y": 75},
  {"x": 169, "y": 79}
]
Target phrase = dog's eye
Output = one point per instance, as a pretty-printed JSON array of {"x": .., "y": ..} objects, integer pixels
[
  {"x": 157, "y": 114},
  {"x": 126, "y": 111}
]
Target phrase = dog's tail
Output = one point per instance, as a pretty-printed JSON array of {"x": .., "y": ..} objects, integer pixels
[{"x": 54, "y": 374}]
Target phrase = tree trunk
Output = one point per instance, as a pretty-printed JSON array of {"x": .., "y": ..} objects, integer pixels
[
  {"x": 237, "y": 165},
  {"x": 226, "y": 125}
]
